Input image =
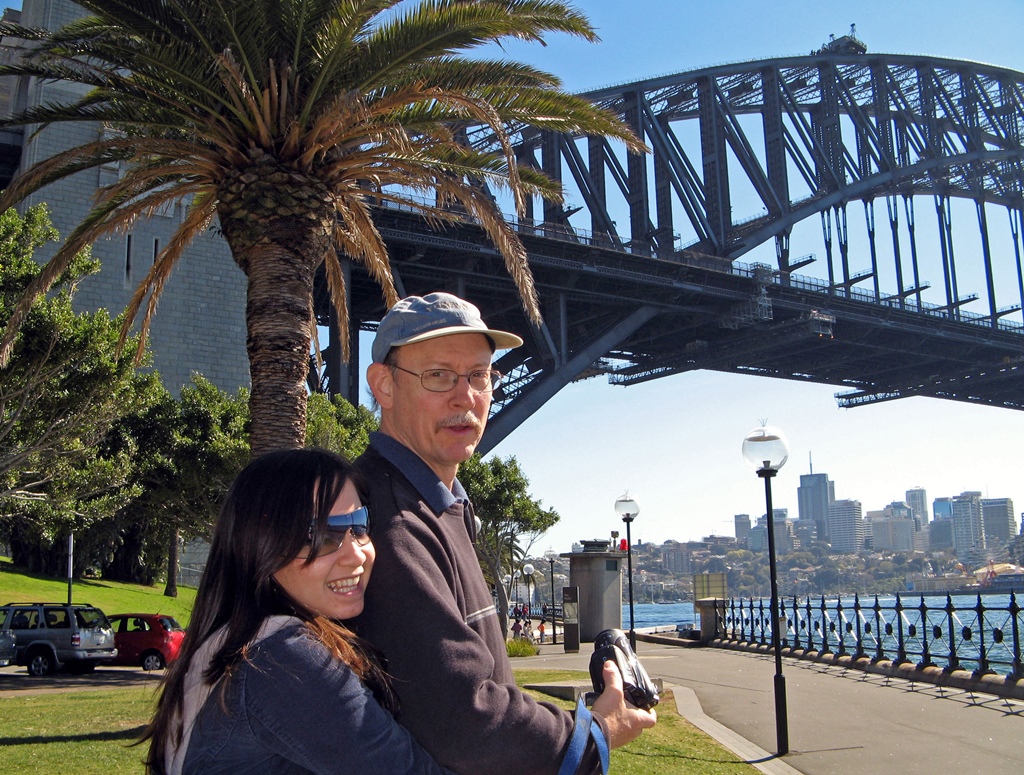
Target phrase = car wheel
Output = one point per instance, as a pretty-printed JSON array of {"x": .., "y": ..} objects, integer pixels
[
  {"x": 153, "y": 660},
  {"x": 40, "y": 663}
]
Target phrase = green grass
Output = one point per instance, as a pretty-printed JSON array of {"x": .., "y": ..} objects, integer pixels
[
  {"x": 84, "y": 732},
  {"x": 111, "y": 597},
  {"x": 673, "y": 747}
]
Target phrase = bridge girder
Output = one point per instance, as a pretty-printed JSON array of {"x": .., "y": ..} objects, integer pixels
[{"x": 808, "y": 135}]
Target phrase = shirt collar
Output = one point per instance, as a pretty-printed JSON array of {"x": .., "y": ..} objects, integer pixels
[{"x": 435, "y": 492}]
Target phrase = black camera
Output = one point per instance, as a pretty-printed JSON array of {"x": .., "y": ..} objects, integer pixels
[{"x": 636, "y": 684}]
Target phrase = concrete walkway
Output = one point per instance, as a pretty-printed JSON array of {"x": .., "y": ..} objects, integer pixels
[{"x": 841, "y": 721}]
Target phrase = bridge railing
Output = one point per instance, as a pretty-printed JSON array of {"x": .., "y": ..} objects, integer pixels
[{"x": 983, "y": 638}]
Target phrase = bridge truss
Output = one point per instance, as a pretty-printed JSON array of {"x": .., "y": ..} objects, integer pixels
[{"x": 805, "y": 144}]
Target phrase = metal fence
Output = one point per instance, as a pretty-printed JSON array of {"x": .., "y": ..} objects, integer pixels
[{"x": 982, "y": 638}]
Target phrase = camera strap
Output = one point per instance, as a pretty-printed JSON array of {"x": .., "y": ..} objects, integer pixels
[{"x": 584, "y": 729}]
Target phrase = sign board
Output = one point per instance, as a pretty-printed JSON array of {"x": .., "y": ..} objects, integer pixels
[
  {"x": 710, "y": 585},
  {"x": 571, "y": 619}
]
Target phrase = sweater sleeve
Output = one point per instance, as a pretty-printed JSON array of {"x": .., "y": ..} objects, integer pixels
[{"x": 431, "y": 614}]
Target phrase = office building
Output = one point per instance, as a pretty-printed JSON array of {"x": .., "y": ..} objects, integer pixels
[
  {"x": 917, "y": 499},
  {"x": 814, "y": 495},
  {"x": 997, "y": 516},
  {"x": 942, "y": 508},
  {"x": 846, "y": 526},
  {"x": 741, "y": 523},
  {"x": 968, "y": 527}
]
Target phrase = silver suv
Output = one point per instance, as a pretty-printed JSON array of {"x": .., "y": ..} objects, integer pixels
[{"x": 54, "y": 635}]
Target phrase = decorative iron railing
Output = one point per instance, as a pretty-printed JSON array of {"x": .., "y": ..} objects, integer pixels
[{"x": 984, "y": 637}]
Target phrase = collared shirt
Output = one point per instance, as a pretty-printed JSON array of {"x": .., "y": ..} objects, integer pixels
[{"x": 435, "y": 492}]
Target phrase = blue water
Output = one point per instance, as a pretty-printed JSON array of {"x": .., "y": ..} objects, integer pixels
[{"x": 658, "y": 615}]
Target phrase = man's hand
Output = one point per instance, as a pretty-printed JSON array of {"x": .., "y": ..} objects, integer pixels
[{"x": 625, "y": 721}]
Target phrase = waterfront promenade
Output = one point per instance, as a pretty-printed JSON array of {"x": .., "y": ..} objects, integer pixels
[{"x": 841, "y": 721}]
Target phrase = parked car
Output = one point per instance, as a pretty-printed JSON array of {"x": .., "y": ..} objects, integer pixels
[
  {"x": 151, "y": 641},
  {"x": 55, "y": 635},
  {"x": 8, "y": 647}
]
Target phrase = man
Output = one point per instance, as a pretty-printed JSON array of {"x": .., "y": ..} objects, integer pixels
[{"x": 429, "y": 609}]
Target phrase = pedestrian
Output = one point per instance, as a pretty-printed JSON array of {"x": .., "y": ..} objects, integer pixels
[
  {"x": 540, "y": 630},
  {"x": 270, "y": 680},
  {"x": 432, "y": 378},
  {"x": 517, "y": 630}
]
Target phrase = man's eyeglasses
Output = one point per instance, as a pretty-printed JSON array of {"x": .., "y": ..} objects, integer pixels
[
  {"x": 443, "y": 380},
  {"x": 339, "y": 526}
]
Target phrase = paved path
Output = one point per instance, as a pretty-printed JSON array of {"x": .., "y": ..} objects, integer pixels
[{"x": 841, "y": 721}]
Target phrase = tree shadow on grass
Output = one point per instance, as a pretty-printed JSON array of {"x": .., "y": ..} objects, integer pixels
[{"x": 124, "y": 734}]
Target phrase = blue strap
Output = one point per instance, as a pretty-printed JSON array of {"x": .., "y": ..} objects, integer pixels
[{"x": 584, "y": 728}]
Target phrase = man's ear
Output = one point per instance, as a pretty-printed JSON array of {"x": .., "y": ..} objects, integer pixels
[{"x": 381, "y": 381}]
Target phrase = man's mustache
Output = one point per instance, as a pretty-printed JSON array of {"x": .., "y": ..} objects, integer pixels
[{"x": 460, "y": 420}]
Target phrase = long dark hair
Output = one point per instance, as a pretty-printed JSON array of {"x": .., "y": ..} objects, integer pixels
[{"x": 264, "y": 523}]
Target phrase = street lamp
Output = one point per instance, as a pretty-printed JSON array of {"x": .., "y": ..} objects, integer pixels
[
  {"x": 766, "y": 451},
  {"x": 528, "y": 577},
  {"x": 551, "y": 555},
  {"x": 626, "y": 508}
]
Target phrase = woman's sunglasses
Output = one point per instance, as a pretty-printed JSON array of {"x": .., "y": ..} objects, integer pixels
[{"x": 355, "y": 523}]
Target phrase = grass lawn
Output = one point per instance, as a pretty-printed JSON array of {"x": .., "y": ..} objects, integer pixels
[{"x": 111, "y": 597}]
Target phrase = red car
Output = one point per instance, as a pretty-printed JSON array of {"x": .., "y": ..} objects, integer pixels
[{"x": 151, "y": 641}]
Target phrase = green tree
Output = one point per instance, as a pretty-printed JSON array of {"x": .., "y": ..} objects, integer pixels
[
  {"x": 288, "y": 120},
  {"x": 337, "y": 425},
  {"x": 510, "y": 519},
  {"x": 60, "y": 391}
]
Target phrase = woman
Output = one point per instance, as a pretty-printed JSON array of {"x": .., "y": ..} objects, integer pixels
[{"x": 270, "y": 681}]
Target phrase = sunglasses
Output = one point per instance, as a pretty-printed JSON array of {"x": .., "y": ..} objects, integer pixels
[{"x": 339, "y": 526}]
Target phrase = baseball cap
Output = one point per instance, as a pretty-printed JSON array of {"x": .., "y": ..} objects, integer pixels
[{"x": 418, "y": 318}]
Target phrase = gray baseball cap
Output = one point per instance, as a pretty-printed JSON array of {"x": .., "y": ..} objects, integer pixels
[{"x": 418, "y": 318}]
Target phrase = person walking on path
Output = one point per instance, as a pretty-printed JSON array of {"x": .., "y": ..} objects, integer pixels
[{"x": 430, "y": 610}]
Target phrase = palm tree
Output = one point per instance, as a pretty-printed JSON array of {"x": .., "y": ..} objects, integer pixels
[{"x": 288, "y": 120}]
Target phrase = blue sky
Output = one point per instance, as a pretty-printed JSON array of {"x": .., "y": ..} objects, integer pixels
[{"x": 674, "y": 443}]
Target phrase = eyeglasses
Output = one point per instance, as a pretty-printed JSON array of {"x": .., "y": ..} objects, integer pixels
[
  {"x": 339, "y": 527},
  {"x": 443, "y": 380}
]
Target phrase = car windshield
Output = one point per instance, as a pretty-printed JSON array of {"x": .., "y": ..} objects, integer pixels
[
  {"x": 170, "y": 623},
  {"x": 91, "y": 618}
]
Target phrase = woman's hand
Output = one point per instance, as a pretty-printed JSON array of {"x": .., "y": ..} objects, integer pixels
[{"x": 625, "y": 721}]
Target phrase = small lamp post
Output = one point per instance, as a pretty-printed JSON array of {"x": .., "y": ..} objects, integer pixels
[
  {"x": 528, "y": 577},
  {"x": 550, "y": 555},
  {"x": 765, "y": 449},
  {"x": 626, "y": 508}
]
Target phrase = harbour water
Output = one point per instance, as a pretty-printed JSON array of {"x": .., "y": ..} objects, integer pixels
[{"x": 658, "y": 615}]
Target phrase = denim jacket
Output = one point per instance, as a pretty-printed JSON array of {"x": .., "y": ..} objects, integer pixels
[{"x": 293, "y": 708}]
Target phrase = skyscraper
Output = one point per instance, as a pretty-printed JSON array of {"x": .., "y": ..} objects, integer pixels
[
  {"x": 742, "y": 527},
  {"x": 846, "y": 527},
  {"x": 997, "y": 516},
  {"x": 814, "y": 495},
  {"x": 917, "y": 499},
  {"x": 968, "y": 526}
]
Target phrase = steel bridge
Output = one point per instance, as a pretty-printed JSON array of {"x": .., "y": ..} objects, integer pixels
[{"x": 641, "y": 275}]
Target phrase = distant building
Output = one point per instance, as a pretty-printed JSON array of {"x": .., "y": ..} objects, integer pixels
[
  {"x": 891, "y": 533},
  {"x": 814, "y": 495},
  {"x": 917, "y": 499},
  {"x": 940, "y": 534},
  {"x": 998, "y": 518},
  {"x": 968, "y": 527},
  {"x": 942, "y": 508},
  {"x": 846, "y": 526},
  {"x": 741, "y": 523}
]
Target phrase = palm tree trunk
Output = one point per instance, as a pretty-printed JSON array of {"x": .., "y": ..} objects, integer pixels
[{"x": 278, "y": 224}]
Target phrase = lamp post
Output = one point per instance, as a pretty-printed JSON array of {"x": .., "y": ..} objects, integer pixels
[
  {"x": 550, "y": 555},
  {"x": 765, "y": 449},
  {"x": 626, "y": 508},
  {"x": 528, "y": 577}
]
